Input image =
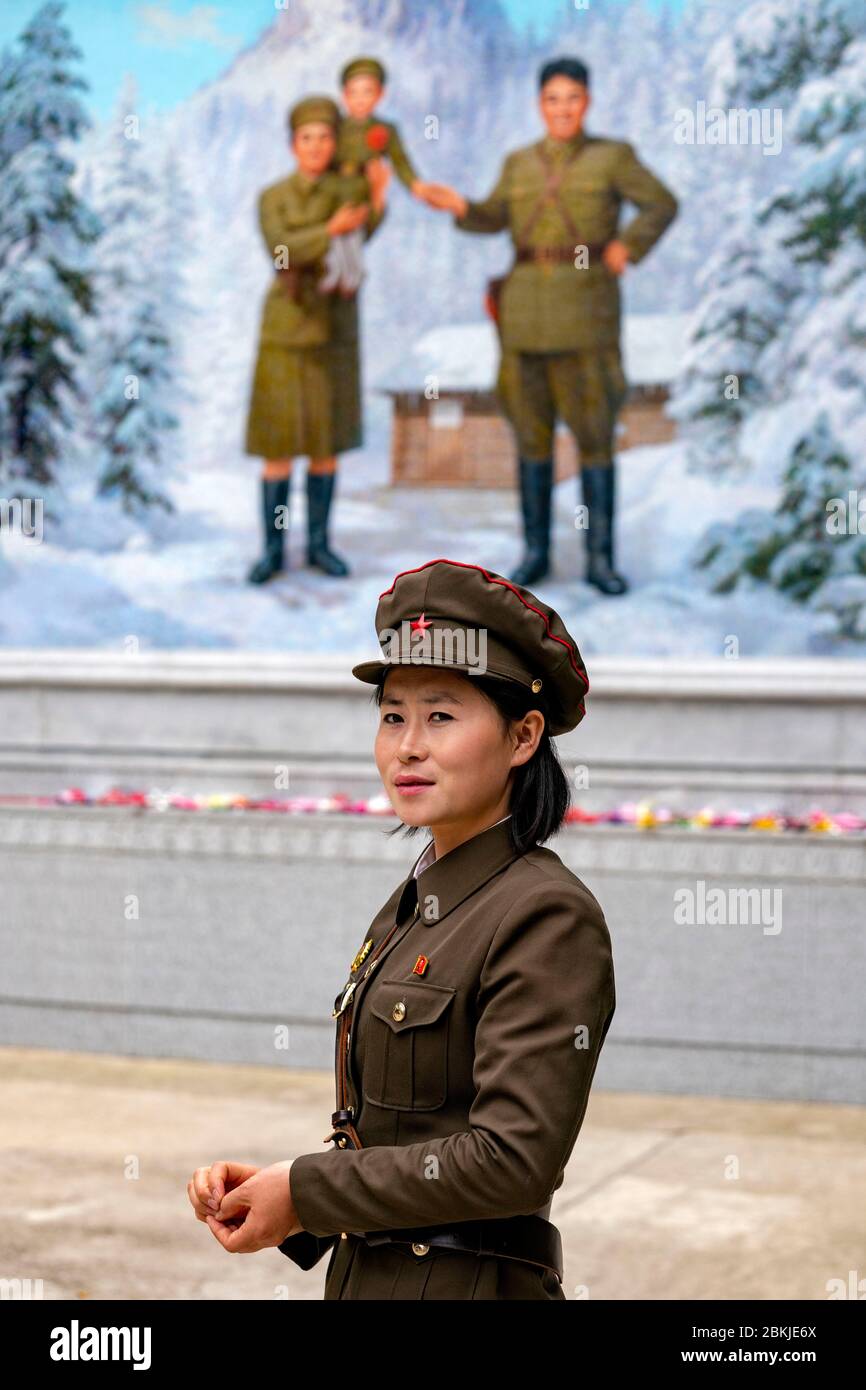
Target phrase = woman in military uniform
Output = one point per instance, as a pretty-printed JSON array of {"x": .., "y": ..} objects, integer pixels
[
  {"x": 296, "y": 405},
  {"x": 470, "y": 1026}
]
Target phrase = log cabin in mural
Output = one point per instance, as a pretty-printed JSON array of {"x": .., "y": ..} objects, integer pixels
[{"x": 458, "y": 437}]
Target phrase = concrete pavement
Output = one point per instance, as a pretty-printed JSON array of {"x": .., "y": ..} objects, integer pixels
[{"x": 665, "y": 1197}]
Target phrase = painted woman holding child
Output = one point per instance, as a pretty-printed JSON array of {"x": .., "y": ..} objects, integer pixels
[{"x": 306, "y": 386}]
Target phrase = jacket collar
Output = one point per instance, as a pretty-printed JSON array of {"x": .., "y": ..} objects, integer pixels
[
  {"x": 304, "y": 183},
  {"x": 458, "y": 874},
  {"x": 554, "y": 147}
]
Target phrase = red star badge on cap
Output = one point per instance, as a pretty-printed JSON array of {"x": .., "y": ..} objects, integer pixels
[{"x": 420, "y": 624}]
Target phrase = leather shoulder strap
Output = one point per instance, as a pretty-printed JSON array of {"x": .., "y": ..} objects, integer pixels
[{"x": 552, "y": 188}]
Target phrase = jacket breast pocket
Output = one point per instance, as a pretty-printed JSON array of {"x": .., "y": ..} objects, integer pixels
[
  {"x": 592, "y": 196},
  {"x": 406, "y": 1045}
]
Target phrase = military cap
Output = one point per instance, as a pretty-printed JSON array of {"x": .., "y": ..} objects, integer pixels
[
  {"x": 447, "y": 613},
  {"x": 314, "y": 108},
  {"x": 371, "y": 66}
]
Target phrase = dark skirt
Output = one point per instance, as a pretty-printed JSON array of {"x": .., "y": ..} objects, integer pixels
[
  {"x": 291, "y": 403},
  {"x": 307, "y": 401},
  {"x": 345, "y": 359}
]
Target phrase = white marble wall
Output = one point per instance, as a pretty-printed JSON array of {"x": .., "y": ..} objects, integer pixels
[{"x": 762, "y": 734}]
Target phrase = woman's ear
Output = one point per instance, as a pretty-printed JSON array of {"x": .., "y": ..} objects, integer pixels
[{"x": 527, "y": 736}]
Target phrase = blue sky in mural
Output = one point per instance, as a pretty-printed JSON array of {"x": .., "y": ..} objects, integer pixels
[{"x": 173, "y": 46}]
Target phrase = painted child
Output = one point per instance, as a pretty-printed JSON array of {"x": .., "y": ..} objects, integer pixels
[{"x": 364, "y": 141}]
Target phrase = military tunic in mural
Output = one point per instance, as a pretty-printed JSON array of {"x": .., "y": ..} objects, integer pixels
[
  {"x": 560, "y": 312},
  {"x": 305, "y": 397},
  {"x": 360, "y": 141}
]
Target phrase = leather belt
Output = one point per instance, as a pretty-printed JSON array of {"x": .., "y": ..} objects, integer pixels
[
  {"x": 557, "y": 253},
  {"x": 530, "y": 1239}
]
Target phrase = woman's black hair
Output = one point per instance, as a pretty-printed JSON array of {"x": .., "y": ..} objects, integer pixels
[
  {"x": 540, "y": 793},
  {"x": 564, "y": 67}
]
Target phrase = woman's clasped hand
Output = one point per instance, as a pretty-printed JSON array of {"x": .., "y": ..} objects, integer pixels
[{"x": 246, "y": 1208}]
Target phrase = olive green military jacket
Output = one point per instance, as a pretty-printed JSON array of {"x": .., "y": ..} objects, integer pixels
[
  {"x": 293, "y": 216},
  {"x": 469, "y": 1077},
  {"x": 561, "y": 307},
  {"x": 354, "y": 148}
]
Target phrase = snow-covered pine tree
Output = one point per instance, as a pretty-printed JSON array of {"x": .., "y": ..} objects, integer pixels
[
  {"x": 45, "y": 233},
  {"x": 812, "y": 537},
  {"x": 809, "y": 56},
  {"x": 174, "y": 237},
  {"x": 130, "y": 356},
  {"x": 744, "y": 289}
]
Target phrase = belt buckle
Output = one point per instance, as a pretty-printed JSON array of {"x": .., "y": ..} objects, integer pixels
[{"x": 419, "y": 1246}]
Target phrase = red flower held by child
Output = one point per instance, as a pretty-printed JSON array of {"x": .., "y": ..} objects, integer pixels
[{"x": 377, "y": 138}]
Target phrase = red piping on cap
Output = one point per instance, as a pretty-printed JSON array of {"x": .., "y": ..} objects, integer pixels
[{"x": 496, "y": 579}]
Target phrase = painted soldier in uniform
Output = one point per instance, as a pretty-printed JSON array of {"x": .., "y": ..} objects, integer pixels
[
  {"x": 559, "y": 307},
  {"x": 475, "y": 1009},
  {"x": 297, "y": 405}
]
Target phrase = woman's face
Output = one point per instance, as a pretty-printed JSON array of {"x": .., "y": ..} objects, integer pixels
[
  {"x": 314, "y": 145},
  {"x": 442, "y": 752}
]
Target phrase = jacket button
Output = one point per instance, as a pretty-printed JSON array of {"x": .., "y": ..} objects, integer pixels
[
  {"x": 398, "y": 1012},
  {"x": 418, "y": 1249}
]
